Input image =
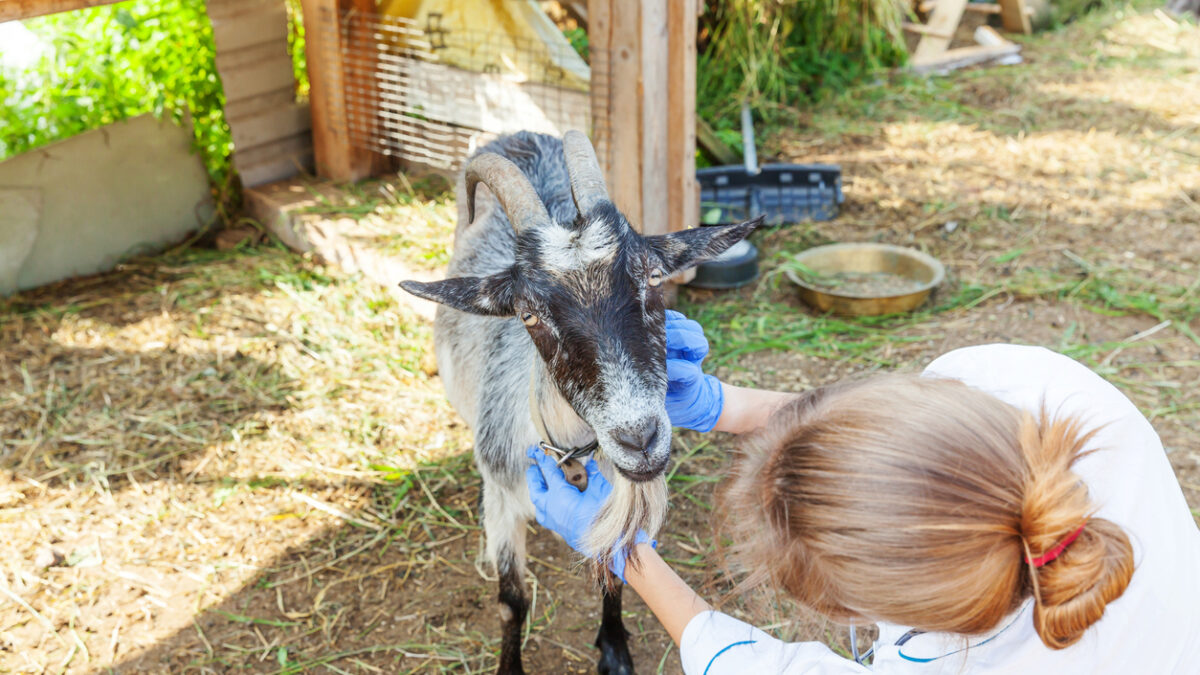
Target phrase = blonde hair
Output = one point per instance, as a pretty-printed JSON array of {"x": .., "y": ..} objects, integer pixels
[{"x": 916, "y": 501}]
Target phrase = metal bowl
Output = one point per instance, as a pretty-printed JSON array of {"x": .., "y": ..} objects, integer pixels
[{"x": 867, "y": 258}]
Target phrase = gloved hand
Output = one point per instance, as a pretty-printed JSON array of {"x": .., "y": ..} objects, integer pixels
[
  {"x": 694, "y": 400},
  {"x": 564, "y": 510}
]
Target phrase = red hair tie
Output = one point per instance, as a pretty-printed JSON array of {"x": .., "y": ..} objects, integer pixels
[{"x": 1057, "y": 550}]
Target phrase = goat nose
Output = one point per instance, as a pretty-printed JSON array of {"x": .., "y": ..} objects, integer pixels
[{"x": 638, "y": 438}]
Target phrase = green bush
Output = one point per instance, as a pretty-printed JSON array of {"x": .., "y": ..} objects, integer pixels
[
  {"x": 115, "y": 62},
  {"x": 777, "y": 54}
]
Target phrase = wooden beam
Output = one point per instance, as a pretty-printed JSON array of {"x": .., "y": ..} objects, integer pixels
[
  {"x": 683, "y": 192},
  {"x": 12, "y": 10},
  {"x": 336, "y": 159},
  {"x": 973, "y": 7},
  {"x": 922, "y": 29},
  {"x": 942, "y": 22},
  {"x": 965, "y": 56},
  {"x": 656, "y": 122},
  {"x": 599, "y": 32},
  {"x": 1014, "y": 17},
  {"x": 622, "y": 43},
  {"x": 644, "y": 108},
  {"x": 713, "y": 145}
]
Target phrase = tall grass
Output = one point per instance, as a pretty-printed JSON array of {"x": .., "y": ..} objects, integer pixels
[{"x": 777, "y": 54}]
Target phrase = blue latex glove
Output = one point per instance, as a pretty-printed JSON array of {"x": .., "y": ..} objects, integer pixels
[
  {"x": 694, "y": 400},
  {"x": 564, "y": 510}
]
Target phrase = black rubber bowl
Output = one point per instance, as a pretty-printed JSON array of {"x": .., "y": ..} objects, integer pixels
[{"x": 734, "y": 268}]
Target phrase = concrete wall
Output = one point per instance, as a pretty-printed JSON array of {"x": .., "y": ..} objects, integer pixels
[{"x": 81, "y": 205}]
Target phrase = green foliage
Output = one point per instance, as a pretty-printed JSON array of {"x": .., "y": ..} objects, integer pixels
[
  {"x": 1062, "y": 12},
  {"x": 296, "y": 48},
  {"x": 579, "y": 40},
  {"x": 777, "y": 54},
  {"x": 116, "y": 62}
]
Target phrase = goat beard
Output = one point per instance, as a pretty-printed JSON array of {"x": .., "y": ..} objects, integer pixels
[{"x": 630, "y": 507}]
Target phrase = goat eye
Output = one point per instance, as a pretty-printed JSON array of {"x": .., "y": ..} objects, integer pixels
[
  {"x": 656, "y": 277},
  {"x": 529, "y": 318}
]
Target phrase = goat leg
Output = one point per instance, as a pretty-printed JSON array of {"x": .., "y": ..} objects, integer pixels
[
  {"x": 613, "y": 639},
  {"x": 513, "y": 607}
]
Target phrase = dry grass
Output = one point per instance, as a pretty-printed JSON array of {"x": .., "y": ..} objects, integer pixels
[
  {"x": 173, "y": 428},
  {"x": 240, "y": 461}
]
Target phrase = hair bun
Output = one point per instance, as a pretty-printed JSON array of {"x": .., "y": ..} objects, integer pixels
[{"x": 1071, "y": 590}]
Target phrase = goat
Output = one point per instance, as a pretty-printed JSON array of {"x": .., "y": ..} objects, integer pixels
[{"x": 551, "y": 328}]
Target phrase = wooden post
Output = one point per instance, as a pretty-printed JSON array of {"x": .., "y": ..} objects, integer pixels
[
  {"x": 648, "y": 108},
  {"x": 943, "y": 21},
  {"x": 336, "y": 159},
  {"x": 272, "y": 135},
  {"x": 12, "y": 10},
  {"x": 1014, "y": 17},
  {"x": 683, "y": 192},
  {"x": 614, "y": 31}
]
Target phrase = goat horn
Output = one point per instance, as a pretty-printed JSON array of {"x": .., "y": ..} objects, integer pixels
[
  {"x": 513, "y": 190},
  {"x": 587, "y": 181}
]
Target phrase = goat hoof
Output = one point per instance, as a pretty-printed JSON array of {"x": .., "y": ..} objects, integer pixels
[{"x": 613, "y": 663}]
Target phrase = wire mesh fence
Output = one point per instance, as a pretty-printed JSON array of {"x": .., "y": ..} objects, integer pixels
[{"x": 429, "y": 92}]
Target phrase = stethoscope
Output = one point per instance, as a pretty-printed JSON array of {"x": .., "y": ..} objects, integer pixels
[{"x": 864, "y": 658}]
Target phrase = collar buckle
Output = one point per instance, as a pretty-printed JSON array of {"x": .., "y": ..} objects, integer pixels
[{"x": 565, "y": 454}]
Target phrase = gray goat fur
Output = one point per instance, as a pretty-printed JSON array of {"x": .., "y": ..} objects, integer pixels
[{"x": 493, "y": 367}]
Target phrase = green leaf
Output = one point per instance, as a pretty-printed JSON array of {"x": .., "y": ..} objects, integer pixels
[
  {"x": 1009, "y": 256},
  {"x": 126, "y": 19}
]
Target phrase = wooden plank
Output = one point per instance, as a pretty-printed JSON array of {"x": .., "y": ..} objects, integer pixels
[
  {"x": 251, "y": 55},
  {"x": 943, "y": 21},
  {"x": 713, "y": 145},
  {"x": 276, "y": 169},
  {"x": 1014, "y": 18},
  {"x": 12, "y": 10},
  {"x": 683, "y": 193},
  {"x": 625, "y": 111},
  {"x": 270, "y": 125},
  {"x": 259, "y": 78},
  {"x": 600, "y": 45},
  {"x": 975, "y": 7},
  {"x": 249, "y": 107},
  {"x": 223, "y": 9},
  {"x": 248, "y": 29},
  {"x": 336, "y": 158},
  {"x": 656, "y": 118},
  {"x": 965, "y": 56},
  {"x": 922, "y": 29},
  {"x": 275, "y": 160}
]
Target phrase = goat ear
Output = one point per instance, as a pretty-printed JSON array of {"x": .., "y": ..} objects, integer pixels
[
  {"x": 491, "y": 296},
  {"x": 681, "y": 250}
]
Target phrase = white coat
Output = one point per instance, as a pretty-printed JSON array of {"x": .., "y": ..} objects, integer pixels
[{"x": 1154, "y": 627}]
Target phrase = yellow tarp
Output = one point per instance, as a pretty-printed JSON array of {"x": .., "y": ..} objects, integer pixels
[{"x": 513, "y": 38}]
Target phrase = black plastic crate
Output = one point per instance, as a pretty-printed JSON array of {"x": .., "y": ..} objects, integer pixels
[{"x": 784, "y": 193}]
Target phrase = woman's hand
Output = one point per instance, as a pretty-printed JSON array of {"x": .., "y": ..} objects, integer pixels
[
  {"x": 694, "y": 400},
  {"x": 564, "y": 510}
]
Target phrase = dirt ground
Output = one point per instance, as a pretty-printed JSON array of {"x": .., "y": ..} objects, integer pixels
[{"x": 242, "y": 462}]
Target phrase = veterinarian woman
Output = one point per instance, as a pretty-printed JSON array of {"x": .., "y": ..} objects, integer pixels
[{"x": 1007, "y": 511}]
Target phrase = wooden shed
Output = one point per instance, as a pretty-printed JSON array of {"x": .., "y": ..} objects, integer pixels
[{"x": 638, "y": 101}]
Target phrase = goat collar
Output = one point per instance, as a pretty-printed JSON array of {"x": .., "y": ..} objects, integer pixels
[{"x": 547, "y": 443}]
